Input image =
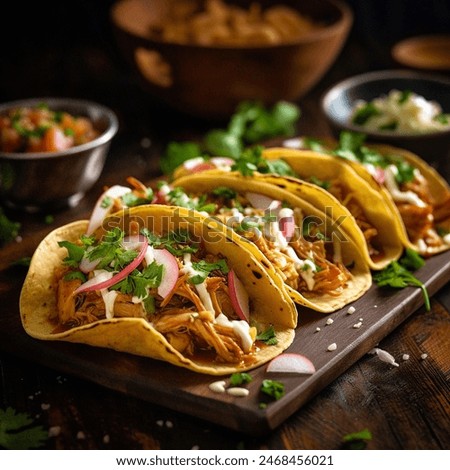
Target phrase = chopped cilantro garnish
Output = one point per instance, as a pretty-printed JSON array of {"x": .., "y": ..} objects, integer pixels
[
  {"x": 363, "y": 114},
  {"x": 411, "y": 260},
  {"x": 106, "y": 202},
  {"x": 8, "y": 229},
  {"x": 226, "y": 193},
  {"x": 443, "y": 118},
  {"x": 318, "y": 182},
  {"x": 18, "y": 431},
  {"x": 240, "y": 378},
  {"x": 357, "y": 440},
  {"x": 404, "y": 96},
  {"x": 71, "y": 275},
  {"x": 177, "y": 243},
  {"x": 204, "y": 268},
  {"x": 273, "y": 388},
  {"x": 131, "y": 200},
  {"x": 75, "y": 253},
  {"x": 268, "y": 336},
  {"x": 137, "y": 282},
  {"x": 252, "y": 122},
  {"x": 390, "y": 126}
]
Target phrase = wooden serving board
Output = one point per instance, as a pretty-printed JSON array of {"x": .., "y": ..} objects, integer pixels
[{"x": 381, "y": 310}]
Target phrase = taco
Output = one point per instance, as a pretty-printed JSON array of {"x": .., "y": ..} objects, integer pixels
[
  {"x": 313, "y": 252},
  {"x": 159, "y": 282},
  {"x": 359, "y": 201},
  {"x": 412, "y": 190}
]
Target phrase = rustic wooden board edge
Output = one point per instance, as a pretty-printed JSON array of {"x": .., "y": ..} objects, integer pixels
[{"x": 242, "y": 416}]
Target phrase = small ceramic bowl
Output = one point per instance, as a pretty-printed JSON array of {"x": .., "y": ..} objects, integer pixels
[
  {"x": 427, "y": 52},
  {"x": 339, "y": 101},
  {"x": 44, "y": 181},
  {"x": 209, "y": 81}
]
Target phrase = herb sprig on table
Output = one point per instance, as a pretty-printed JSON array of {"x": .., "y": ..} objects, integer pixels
[
  {"x": 19, "y": 432},
  {"x": 251, "y": 123},
  {"x": 398, "y": 275}
]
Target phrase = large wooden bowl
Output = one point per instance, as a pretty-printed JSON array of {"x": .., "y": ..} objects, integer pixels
[{"x": 208, "y": 81}]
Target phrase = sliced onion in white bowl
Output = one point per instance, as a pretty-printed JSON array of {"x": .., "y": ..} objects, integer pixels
[{"x": 101, "y": 210}]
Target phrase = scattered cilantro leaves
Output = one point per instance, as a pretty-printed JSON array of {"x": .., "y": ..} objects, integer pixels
[
  {"x": 357, "y": 440},
  {"x": 363, "y": 114},
  {"x": 273, "y": 388},
  {"x": 203, "y": 269},
  {"x": 9, "y": 230},
  {"x": 18, "y": 432},
  {"x": 240, "y": 378},
  {"x": 252, "y": 122}
]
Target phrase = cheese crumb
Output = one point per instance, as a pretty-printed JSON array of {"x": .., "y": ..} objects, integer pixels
[
  {"x": 330, "y": 321},
  {"x": 405, "y": 357},
  {"x": 54, "y": 431},
  {"x": 318, "y": 328},
  {"x": 332, "y": 347},
  {"x": 351, "y": 310},
  {"x": 385, "y": 356},
  {"x": 357, "y": 325},
  {"x": 238, "y": 391},
  {"x": 106, "y": 439},
  {"x": 169, "y": 424},
  {"x": 81, "y": 435},
  {"x": 217, "y": 387},
  {"x": 423, "y": 356},
  {"x": 45, "y": 406}
]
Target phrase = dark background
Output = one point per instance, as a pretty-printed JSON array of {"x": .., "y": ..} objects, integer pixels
[{"x": 57, "y": 48}]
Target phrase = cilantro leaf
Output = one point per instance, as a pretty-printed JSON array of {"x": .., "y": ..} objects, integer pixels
[
  {"x": 176, "y": 153},
  {"x": 268, "y": 336},
  {"x": 75, "y": 253},
  {"x": 240, "y": 378},
  {"x": 273, "y": 388},
  {"x": 17, "y": 431},
  {"x": 411, "y": 259},
  {"x": 357, "y": 440},
  {"x": 8, "y": 229},
  {"x": 397, "y": 276},
  {"x": 363, "y": 114},
  {"x": 204, "y": 268}
]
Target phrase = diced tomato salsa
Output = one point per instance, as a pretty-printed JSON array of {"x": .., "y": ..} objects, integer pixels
[{"x": 40, "y": 129}]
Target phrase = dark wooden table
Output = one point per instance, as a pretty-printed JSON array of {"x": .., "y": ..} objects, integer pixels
[{"x": 405, "y": 408}]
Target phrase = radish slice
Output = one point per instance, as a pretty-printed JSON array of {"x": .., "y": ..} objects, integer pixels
[
  {"x": 259, "y": 201},
  {"x": 291, "y": 363},
  {"x": 96, "y": 283},
  {"x": 203, "y": 167},
  {"x": 170, "y": 272},
  {"x": 222, "y": 162},
  {"x": 238, "y": 296},
  {"x": 192, "y": 163},
  {"x": 99, "y": 212},
  {"x": 287, "y": 227}
]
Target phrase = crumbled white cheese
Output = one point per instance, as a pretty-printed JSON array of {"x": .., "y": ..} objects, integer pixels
[
  {"x": 195, "y": 447},
  {"x": 332, "y": 347},
  {"x": 351, "y": 310},
  {"x": 81, "y": 435},
  {"x": 106, "y": 439},
  {"x": 45, "y": 406},
  {"x": 423, "y": 356},
  {"x": 160, "y": 423},
  {"x": 360, "y": 319},
  {"x": 238, "y": 391},
  {"x": 385, "y": 356},
  {"x": 169, "y": 424},
  {"x": 318, "y": 328},
  {"x": 217, "y": 387},
  {"x": 330, "y": 321},
  {"x": 357, "y": 325},
  {"x": 54, "y": 431},
  {"x": 405, "y": 357}
]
